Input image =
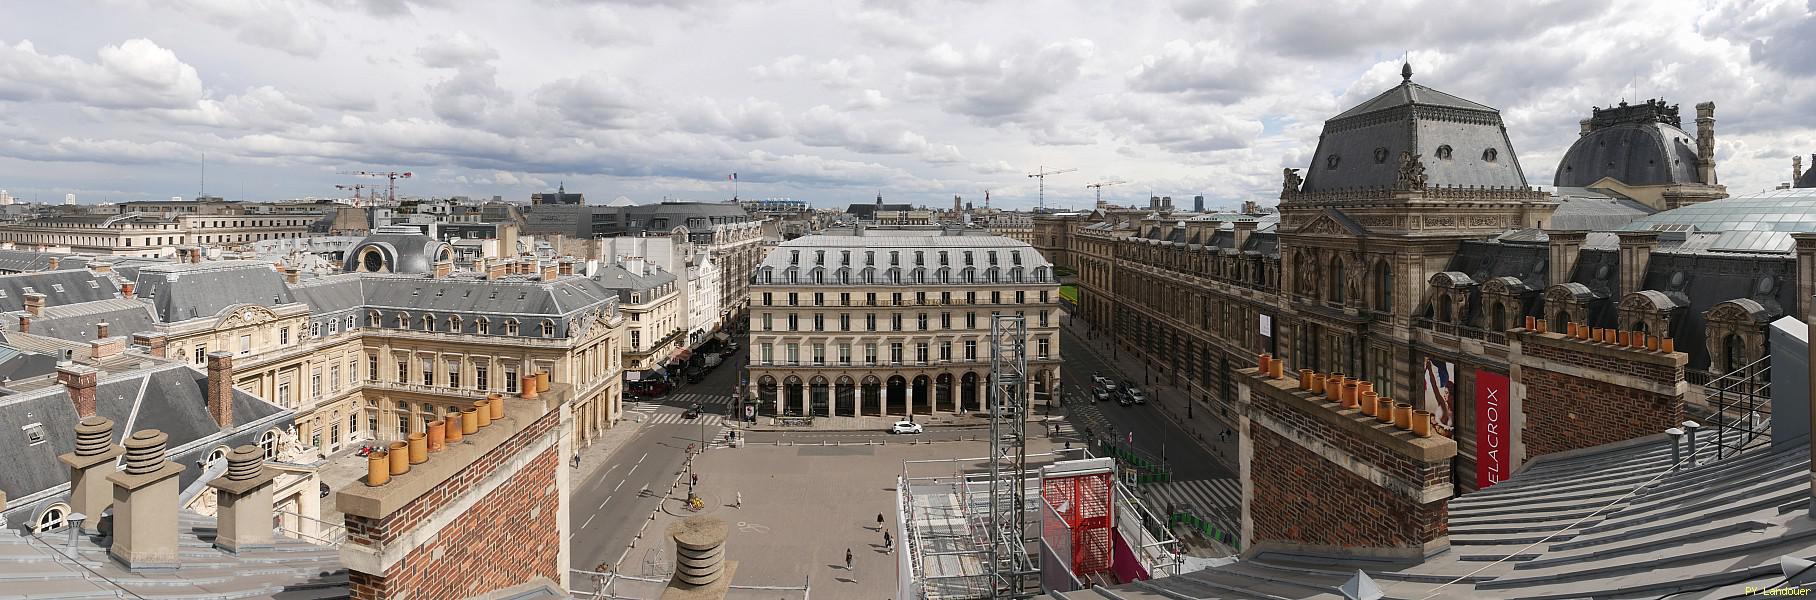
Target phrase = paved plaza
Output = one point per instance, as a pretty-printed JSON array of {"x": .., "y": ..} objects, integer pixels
[{"x": 803, "y": 506}]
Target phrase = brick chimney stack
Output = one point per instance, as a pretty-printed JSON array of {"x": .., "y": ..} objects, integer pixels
[
  {"x": 153, "y": 341},
  {"x": 220, "y": 388},
  {"x": 55, "y": 262},
  {"x": 92, "y": 459},
  {"x": 101, "y": 330},
  {"x": 548, "y": 272},
  {"x": 34, "y": 303},
  {"x": 145, "y": 505},
  {"x": 127, "y": 289},
  {"x": 243, "y": 519},
  {"x": 443, "y": 268},
  {"x": 100, "y": 267},
  {"x": 79, "y": 382},
  {"x": 292, "y": 275},
  {"x": 1797, "y": 169}
]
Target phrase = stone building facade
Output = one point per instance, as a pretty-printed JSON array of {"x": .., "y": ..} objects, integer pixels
[
  {"x": 893, "y": 322},
  {"x": 157, "y": 229}
]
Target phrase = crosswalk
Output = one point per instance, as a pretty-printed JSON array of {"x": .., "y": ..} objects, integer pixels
[
  {"x": 668, "y": 410},
  {"x": 1208, "y": 498}
]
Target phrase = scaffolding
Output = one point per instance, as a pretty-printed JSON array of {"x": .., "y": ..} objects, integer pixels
[{"x": 1010, "y": 565}]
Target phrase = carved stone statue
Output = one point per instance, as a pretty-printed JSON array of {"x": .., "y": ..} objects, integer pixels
[
  {"x": 1412, "y": 172},
  {"x": 1293, "y": 180}
]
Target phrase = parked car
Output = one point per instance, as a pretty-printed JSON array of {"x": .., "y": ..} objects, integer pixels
[
  {"x": 1109, "y": 386},
  {"x": 1125, "y": 400},
  {"x": 1100, "y": 394},
  {"x": 696, "y": 376},
  {"x": 1137, "y": 397},
  {"x": 905, "y": 427}
]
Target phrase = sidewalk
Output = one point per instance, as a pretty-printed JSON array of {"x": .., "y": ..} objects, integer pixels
[
  {"x": 600, "y": 452},
  {"x": 1170, "y": 400}
]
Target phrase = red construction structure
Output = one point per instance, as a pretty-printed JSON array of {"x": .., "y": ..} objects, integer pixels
[{"x": 1081, "y": 494}]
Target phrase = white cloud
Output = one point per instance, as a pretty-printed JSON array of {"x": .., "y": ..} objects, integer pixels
[
  {"x": 137, "y": 73},
  {"x": 276, "y": 24},
  {"x": 986, "y": 83},
  {"x": 455, "y": 51}
]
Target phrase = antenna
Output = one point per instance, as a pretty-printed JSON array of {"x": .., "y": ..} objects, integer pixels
[{"x": 204, "y": 191}]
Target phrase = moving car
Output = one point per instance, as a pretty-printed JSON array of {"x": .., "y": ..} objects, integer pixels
[
  {"x": 1099, "y": 379},
  {"x": 1100, "y": 394},
  {"x": 1137, "y": 397},
  {"x": 692, "y": 411},
  {"x": 905, "y": 427},
  {"x": 1125, "y": 400}
]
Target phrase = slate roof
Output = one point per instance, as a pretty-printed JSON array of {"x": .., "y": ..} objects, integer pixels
[
  {"x": 1808, "y": 180},
  {"x": 183, "y": 291},
  {"x": 19, "y": 261},
  {"x": 868, "y": 210},
  {"x": 1632, "y": 153},
  {"x": 169, "y": 397},
  {"x": 76, "y": 322},
  {"x": 1714, "y": 528},
  {"x": 1584, "y": 209},
  {"x": 59, "y": 288},
  {"x": 403, "y": 251},
  {"x": 17, "y": 363},
  {"x": 1361, "y": 147},
  {"x": 563, "y": 301},
  {"x": 621, "y": 281}
]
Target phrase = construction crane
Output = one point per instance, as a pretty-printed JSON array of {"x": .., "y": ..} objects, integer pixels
[
  {"x": 1042, "y": 176},
  {"x": 355, "y": 188},
  {"x": 391, "y": 184},
  {"x": 1099, "y": 186}
]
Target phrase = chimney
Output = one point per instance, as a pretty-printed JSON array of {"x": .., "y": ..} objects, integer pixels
[
  {"x": 54, "y": 262},
  {"x": 127, "y": 289},
  {"x": 700, "y": 556},
  {"x": 566, "y": 266},
  {"x": 25, "y": 323},
  {"x": 497, "y": 269},
  {"x": 548, "y": 272},
  {"x": 100, "y": 267},
  {"x": 220, "y": 388},
  {"x": 1243, "y": 229},
  {"x": 153, "y": 341},
  {"x": 101, "y": 330},
  {"x": 1635, "y": 252},
  {"x": 1563, "y": 247},
  {"x": 1583, "y": 127},
  {"x": 1705, "y": 141},
  {"x": 92, "y": 459},
  {"x": 1797, "y": 168},
  {"x": 145, "y": 505},
  {"x": 635, "y": 265},
  {"x": 443, "y": 268},
  {"x": 292, "y": 275},
  {"x": 243, "y": 516},
  {"x": 34, "y": 303},
  {"x": 106, "y": 347},
  {"x": 79, "y": 382}
]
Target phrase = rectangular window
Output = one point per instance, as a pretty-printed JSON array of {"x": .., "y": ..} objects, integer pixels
[
  {"x": 791, "y": 298},
  {"x": 283, "y": 336},
  {"x": 510, "y": 379},
  {"x": 480, "y": 376},
  {"x": 819, "y": 299},
  {"x": 970, "y": 297},
  {"x": 403, "y": 422},
  {"x": 870, "y": 322},
  {"x": 245, "y": 344},
  {"x": 819, "y": 354},
  {"x": 315, "y": 383},
  {"x": 334, "y": 378},
  {"x": 870, "y": 298},
  {"x": 428, "y": 372},
  {"x": 352, "y": 372},
  {"x": 453, "y": 373},
  {"x": 970, "y": 320},
  {"x": 844, "y": 322},
  {"x": 920, "y": 352},
  {"x": 766, "y": 298},
  {"x": 403, "y": 372},
  {"x": 793, "y": 354},
  {"x": 792, "y": 322},
  {"x": 895, "y": 298},
  {"x": 996, "y": 297},
  {"x": 921, "y": 321},
  {"x": 945, "y": 320},
  {"x": 283, "y": 394},
  {"x": 1381, "y": 362},
  {"x": 1043, "y": 318},
  {"x": 870, "y": 354},
  {"x": 844, "y": 354},
  {"x": 371, "y": 368},
  {"x": 1020, "y": 297},
  {"x": 1043, "y": 348},
  {"x": 895, "y": 352},
  {"x": 766, "y": 354},
  {"x": 1043, "y": 296},
  {"x": 970, "y": 349},
  {"x": 372, "y": 421},
  {"x": 636, "y": 339},
  {"x": 844, "y": 298},
  {"x": 895, "y": 322},
  {"x": 945, "y": 350},
  {"x": 766, "y": 323},
  {"x": 819, "y": 323},
  {"x": 920, "y": 297}
]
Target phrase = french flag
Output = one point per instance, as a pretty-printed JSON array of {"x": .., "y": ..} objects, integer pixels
[{"x": 734, "y": 177}]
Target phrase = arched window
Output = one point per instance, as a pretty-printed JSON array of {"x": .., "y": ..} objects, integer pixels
[
  {"x": 548, "y": 328},
  {"x": 349, "y": 323},
  {"x": 268, "y": 441},
  {"x": 52, "y": 519},
  {"x": 1497, "y": 316},
  {"x": 403, "y": 320},
  {"x": 1638, "y": 325},
  {"x": 482, "y": 325},
  {"x": 428, "y": 322},
  {"x": 1443, "y": 307},
  {"x": 1734, "y": 353},
  {"x": 219, "y": 453},
  {"x": 510, "y": 327},
  {"x": 1558, "y": 321},
  {"x": 454, "y": 323}
]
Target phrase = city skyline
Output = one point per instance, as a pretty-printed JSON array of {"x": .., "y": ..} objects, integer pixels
[{"x": 831, "y": 104}]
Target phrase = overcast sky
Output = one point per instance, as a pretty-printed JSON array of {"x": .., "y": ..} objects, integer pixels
[{"x": 832, "y": 102}]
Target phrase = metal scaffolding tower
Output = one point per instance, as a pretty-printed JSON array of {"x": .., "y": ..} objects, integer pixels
[{"x": 1013, "y": 573}]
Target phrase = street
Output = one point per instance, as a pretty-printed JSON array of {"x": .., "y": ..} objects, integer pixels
[{"x": 1151, "y": 432}]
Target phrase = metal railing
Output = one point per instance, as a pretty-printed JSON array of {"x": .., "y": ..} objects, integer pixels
[
  {"x": 331, "y": 534},
  {"x": 1460, "y": 331},
  {"x": 1743, "y": 406}
]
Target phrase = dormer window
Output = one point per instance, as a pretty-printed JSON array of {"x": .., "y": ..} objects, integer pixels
[
  {"x": 454, "y": 323},
  {"x": 1381, "y": 155},
  {"x": 548, "y": 328},
  {"x": 482, "y": 325},
  {"x": 510, "y": 327},
  {"x": 403, "y": 320},
  {"x": 428, "y": 322}
]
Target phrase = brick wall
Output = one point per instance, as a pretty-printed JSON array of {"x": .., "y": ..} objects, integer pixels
[
  {"x": 514, "y": 531},
  {"x": 1400, "y": 466},
  {"x": 1608, "y": 359},
  {"x": 508, "y": 538},
  {"x": 1301, "y": 498},
  {"x": 1565, "y": 412}
]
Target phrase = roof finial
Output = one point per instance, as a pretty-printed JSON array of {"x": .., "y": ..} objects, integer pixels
[{"x": 1405, "y": 71}]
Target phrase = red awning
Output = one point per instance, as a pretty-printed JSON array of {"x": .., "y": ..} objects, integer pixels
[{"x": 680, "y": 355}]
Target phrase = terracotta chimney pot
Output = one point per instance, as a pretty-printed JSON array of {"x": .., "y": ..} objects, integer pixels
[
  {"x": 419, "y": 448},
  {"x": 378, "y": 468},
  {"x": 438, "y": 438},
  {"x": 453, "y": 427},
  {"x": 400, "y": 458}
]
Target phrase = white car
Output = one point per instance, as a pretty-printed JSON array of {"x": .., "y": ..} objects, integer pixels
[
  {"x": 905, "y": 427},
  {"x": 1099, "y": 379}
]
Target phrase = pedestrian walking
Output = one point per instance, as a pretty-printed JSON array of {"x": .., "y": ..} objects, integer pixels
[
  {"x": 879, "y": 521},
  {"x": 576, "y": 461},
  {"x": 738, "y": 500},
  {"x": 696, "y": 479},
  {"x": 888, "y": 543},
  {"x": 848, "y": 559}
]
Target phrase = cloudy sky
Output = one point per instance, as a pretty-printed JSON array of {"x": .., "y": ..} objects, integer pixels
[{"x": 832, "y": 102}]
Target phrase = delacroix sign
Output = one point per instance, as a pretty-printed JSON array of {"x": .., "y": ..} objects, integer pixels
[{"x": 1494, "y": 436}]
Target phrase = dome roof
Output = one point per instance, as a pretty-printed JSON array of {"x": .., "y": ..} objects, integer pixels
[
  {"x": 1634, "y": 144},
  {"x": 397, "y": 252}
]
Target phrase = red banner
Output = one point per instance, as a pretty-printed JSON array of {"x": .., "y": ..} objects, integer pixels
[{"x": 1494, "y": 434}]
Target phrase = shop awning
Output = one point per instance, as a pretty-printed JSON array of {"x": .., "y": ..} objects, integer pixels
[
  {"x": 680, "y": 356},
  {"x": 722, "y": 336}
]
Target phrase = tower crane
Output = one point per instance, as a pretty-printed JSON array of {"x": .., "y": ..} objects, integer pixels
[
  {"x": 390, "y": 176},
  {"x": 355, "y": 188},
  {"x": 1099, "y": 186},
  {"x": 1042, "y": 176}
]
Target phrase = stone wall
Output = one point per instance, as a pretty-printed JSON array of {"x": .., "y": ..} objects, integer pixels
[{"x": 1575, "y": 394}]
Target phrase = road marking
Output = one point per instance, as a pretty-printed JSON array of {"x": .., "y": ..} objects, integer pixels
[
  {"x": 640, "y": 458},
  {"x": 615, "y": 488},
  {"x": 589, "y": 521},
  {"x": 601, "y": 506},
  {"x": 752, "y": 527},
  {"x": 633, "y": 470}
]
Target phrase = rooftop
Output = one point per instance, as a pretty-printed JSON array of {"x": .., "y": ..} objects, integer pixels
[{"x": 1786, "y": 210}]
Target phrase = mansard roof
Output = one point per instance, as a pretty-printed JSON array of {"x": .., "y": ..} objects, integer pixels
[
  {"x": 1638, "y": 145},
  {"x": 182, "y": 291},
  {"x": 1459, "y": 142}
]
